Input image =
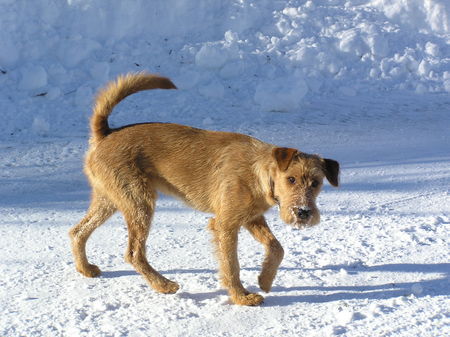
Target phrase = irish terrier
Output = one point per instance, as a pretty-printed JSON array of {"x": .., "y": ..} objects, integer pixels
[{"x": 234, "y": 176}]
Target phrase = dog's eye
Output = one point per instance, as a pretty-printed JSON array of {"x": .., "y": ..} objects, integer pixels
[
  {"x": 291, "y": 180},
  {"x": 314, "y": 184}
]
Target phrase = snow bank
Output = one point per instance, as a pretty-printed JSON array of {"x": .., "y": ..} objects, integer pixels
[
  {"x": 429, "y": 15},
  {"x": 244, "y": 52}
]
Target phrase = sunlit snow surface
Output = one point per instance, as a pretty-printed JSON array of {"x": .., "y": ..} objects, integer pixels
[{"x": 364, "y": 82}]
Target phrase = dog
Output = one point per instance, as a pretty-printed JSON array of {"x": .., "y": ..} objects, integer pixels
[{"x": 234, "y": 176}]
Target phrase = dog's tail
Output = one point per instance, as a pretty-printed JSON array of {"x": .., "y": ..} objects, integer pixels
[{"x": 116, "y": 91}]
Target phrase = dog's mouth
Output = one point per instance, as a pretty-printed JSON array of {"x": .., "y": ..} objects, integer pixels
[{"x": 301, "y": 225}]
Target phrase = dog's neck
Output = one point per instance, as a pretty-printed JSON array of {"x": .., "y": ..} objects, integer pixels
[
  {"x": 272, "y": 191},
  {"x": 267, "y": 186},
  {"x": 264, "y": 170}
]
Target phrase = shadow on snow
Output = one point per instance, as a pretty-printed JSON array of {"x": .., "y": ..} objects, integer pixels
[
  {"x": 284, "y": 296},
  {"x": 420, "y": 288}
]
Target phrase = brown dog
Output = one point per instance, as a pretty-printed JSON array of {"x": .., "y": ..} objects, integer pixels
[{"x": 233, "y": 176}]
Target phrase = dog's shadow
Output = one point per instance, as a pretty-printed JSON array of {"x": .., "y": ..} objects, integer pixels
[
  {"x": 197, "y": 297},
  {"x": 203, "y": 296},
  {"x": 122, "y": 273},
  {"x": 285, "y": 296},
  {"x": 118, "y": 273},
  {"x": 439, "y": 286}
]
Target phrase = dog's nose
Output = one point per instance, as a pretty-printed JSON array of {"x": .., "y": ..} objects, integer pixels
[{"x": 304, "y": 213}]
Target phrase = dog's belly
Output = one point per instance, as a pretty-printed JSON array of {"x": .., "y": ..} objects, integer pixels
[{"x": 189, "y": 199}]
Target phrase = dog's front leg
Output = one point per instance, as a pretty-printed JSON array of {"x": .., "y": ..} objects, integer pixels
[
  {"x": 274, "y": 252},
  {"x": 225, "y": 239}
]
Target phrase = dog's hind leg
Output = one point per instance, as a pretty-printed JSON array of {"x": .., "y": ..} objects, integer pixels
[
  {"x": 100, "y": 210},
  {"x": 138, "y": 214},
  {"x": 274, "y": 252}
]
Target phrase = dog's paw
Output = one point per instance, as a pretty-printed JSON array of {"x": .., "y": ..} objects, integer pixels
[
  {"x": 249, "y": 299},
  {"x": 90, "y": 270},
  {"x": 168, "y": 287},
  {"x": 265, "y": 282}
]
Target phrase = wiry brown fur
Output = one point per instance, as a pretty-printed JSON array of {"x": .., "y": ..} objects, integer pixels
[{"x": 233, "y": 176}]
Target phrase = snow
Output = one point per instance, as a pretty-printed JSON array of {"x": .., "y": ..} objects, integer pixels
[
  {"x": 365, "y": 82},
  {"x": 280, "y": 94},
  {"x": 211, "y": 56},
  {"x": 33, "y": 77},
  {"x": 431, "y": 15}
]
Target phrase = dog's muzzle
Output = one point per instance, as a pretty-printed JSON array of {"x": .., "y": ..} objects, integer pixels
[
  {"x": 303, "y": 212},
  {"x": 304, "y": 217}
]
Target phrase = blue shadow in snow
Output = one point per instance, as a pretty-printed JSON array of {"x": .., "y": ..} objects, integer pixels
[
  {"x": 435, "y": 287},
  {"x": 279, "y": 296},
  {"x": 118, "y": 273}
]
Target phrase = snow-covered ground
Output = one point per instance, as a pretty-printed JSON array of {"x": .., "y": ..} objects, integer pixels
[{"x": 364, "y": 82}]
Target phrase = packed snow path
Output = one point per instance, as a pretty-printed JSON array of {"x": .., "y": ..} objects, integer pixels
[{"x": 378, "y": 262}]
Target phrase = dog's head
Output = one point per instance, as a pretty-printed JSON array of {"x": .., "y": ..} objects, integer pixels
[{"x": 296, "y": 180}]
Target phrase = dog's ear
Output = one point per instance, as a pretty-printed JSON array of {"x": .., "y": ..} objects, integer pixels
[
  {"x": 284, "y": 156},
  {"x": 331, "y": 170}
]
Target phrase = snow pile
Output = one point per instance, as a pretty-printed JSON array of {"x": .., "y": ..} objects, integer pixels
[
  {"x": 262, "y": 55},
  {"x": 428, "y": 15}
]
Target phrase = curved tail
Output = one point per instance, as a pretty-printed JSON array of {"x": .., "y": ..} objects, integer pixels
[{"x": 116, "y": 91}]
